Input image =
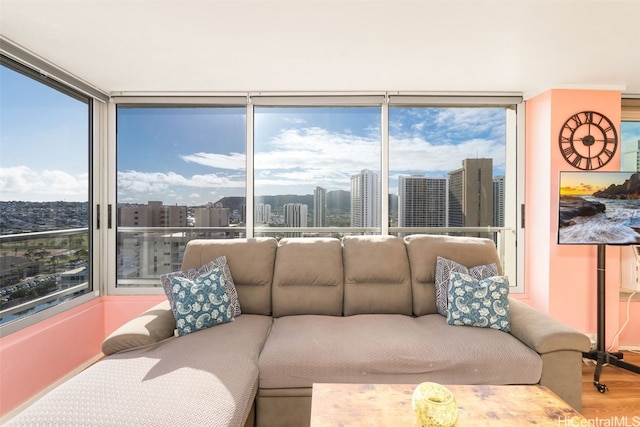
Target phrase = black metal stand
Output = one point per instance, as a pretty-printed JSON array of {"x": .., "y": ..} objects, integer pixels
[{"x": 600, "y": 355}]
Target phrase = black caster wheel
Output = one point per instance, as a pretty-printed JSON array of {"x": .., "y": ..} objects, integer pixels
[{"x": 601, "y": 387}]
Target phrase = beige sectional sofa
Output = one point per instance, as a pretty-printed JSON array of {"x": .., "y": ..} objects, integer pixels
[{"x": 359, "y": 310}]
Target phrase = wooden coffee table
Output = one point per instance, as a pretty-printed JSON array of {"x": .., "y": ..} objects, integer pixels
[{"x": 479, "y": 405}]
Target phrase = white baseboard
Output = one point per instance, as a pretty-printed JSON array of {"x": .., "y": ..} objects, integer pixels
[{"x": 629, "y": 348}]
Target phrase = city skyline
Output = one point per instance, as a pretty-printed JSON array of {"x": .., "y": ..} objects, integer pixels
[{"x": 422, "y": 202}]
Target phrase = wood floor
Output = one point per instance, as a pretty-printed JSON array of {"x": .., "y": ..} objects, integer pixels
[{"x": 622, "y": 399}]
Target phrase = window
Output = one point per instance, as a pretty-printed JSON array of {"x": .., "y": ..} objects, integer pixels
[
  {"x": 286, "y": 166},
  {"x": 317, "y": 169},
  {"x": 630, "y": 135},
  {"x": 447, "y": 166},
  {"x": 45, "y": 197},
  {"x": 180, "y": 175}
]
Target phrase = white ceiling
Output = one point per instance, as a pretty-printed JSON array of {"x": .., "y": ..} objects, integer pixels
[{"x": 350, "y": 45}]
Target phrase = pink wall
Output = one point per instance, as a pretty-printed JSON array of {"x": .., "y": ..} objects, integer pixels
[
  {"x": 562, "y": 279},
  {"x": 35, "y": 357},
  {"x": 120, "y": 309}
]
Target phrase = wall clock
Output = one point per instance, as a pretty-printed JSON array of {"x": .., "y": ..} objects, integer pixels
[{"x": 588, "y": 140}]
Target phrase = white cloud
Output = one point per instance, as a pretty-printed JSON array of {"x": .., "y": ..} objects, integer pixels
[
  {"x": 315, "y": 156},
  {"x": 419, "y": 155},
  {"x": 143, "y": 182},
  {"x": 24, "y": 183},
  {"x": 316, "y": 148},
  {"x": 298, "y": 158},
  {"x": 294, "y": 120},
  {"x": 234, "y": 161}
]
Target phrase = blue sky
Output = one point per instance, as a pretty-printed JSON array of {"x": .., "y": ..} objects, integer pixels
[
  {"x": 630, "y": 132},
  {"x": 43, "y": 142},
  {"x": 295, "y": 149}
]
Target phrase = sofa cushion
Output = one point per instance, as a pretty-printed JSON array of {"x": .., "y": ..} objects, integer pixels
[
  {"x": 444, "y": 268},
  {"x": 423, "y": 251},
  {"x": 308, "y": 277},
  {"x": 205, "y": 378},
  {"x": 251, "y": 264},
  {"x": 481, "y": 303},
  {"x": 376, "y": 275},
  {"x": 387, "y": 348},
  {"x": 201, "y": 302},
  {"x": 151, "y": 326}
]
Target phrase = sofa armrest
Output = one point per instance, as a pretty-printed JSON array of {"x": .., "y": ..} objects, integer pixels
[
  {"x": 543, "y": 333},
  {"x": 150, "y": 327}
]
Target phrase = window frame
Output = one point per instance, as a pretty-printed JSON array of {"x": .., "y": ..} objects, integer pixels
[
  {"x": 514, "y": 194},
  {"x": 513, "y": 265},
  {"x": 147, "y": 101},
  {"x": 44, "y": 73}
]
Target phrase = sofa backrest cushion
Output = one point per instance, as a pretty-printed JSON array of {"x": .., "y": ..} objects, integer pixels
[
  {"x": 376, "y": 275},
  {"x": 423, "y": 252},
  {"x": 251, "y": 262},
  {"x": 308, "y": 277}
]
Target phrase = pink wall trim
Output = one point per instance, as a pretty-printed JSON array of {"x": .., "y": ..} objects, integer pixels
[
  {"x": 561, "y": 280},
  {"x": 537, "y": 154},
  {"x": 37, "y": 356}
]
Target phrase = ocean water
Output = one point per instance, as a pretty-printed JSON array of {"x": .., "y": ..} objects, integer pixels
[{"x": 615, "y": 226}]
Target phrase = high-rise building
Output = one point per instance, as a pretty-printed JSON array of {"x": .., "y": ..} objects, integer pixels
[
  {"x": 154, "y": 214},
  {"x": 210, "y": 216},
  {"x": 422, "y": 201},
  {"x": 150, "y": 255},
  {"x": 471, "y": 194},
  {"x": 319, "y": 207},
  {"x": 498, "y": 201},
  {"x": 295, "y": 214},
  {"x": 262, "y": 214},
  {"x": 365, "y": 199}
]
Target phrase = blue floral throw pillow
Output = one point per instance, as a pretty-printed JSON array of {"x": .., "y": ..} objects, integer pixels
[
  {"x": 444, "y": 268},
  {"x": 220, "y": 262},
  {"x": 201, "y": 302},
  {"x": 483, "y": 303}
]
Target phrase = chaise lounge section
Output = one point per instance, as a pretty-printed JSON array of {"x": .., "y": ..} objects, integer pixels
[{"x": 361, "y": 309}]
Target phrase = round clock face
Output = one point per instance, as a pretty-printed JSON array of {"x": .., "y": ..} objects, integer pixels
[{"x": 588, "y": 140}]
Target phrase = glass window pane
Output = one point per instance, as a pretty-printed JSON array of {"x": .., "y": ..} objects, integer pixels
[
  {"x": 446, "y": 167},
  {"x": 44, "y": 195},
  {"x": 181, "y": 175},
  {"x": 630, "y": 146},
  {"x": 316, "y": 168}
]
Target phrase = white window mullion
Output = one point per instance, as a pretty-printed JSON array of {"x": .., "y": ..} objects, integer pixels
[
  {"x": 110, "y": 199},
  {"x": 384, "y": 188},
  {"x": 100, "y": 184},
  {"x": 249, "y": 202}
]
